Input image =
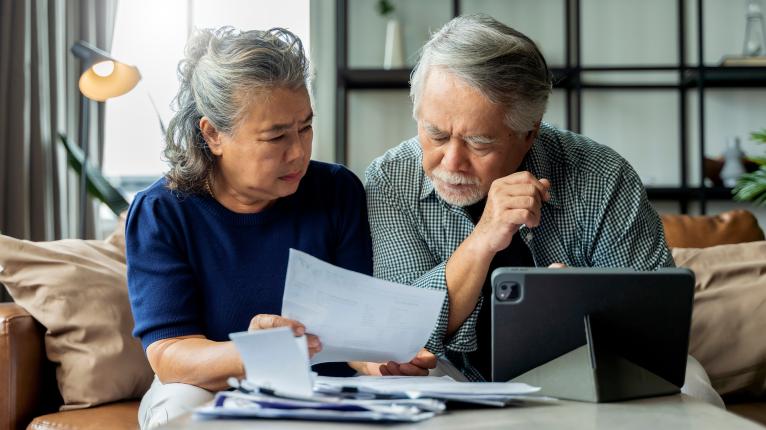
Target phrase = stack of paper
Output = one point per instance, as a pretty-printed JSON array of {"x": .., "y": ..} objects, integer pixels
[
  {"x": 442, "y": 388},
  {"x": 262, "y": 404}
]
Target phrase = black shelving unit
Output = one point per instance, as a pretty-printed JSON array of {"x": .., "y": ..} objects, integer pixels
[{"x": 570, "y": 79}]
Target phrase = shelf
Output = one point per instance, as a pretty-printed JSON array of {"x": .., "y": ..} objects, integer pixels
[
  {"x": 727, "y": 77},
  {"x": 718, "y": 193},
  {"x": 679, "y": 193},
  {"x": 399, "y": 79},
  {"x": 668, "y": 193},
  {"x": 375, "y": 79},
  {"x": 714, "y": 77}
]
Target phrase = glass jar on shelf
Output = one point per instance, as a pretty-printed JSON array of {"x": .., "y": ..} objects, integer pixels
[{"x": 755, "y": 30}]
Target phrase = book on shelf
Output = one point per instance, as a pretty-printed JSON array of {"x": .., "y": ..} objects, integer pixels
[{"x": 743, "y": 61}]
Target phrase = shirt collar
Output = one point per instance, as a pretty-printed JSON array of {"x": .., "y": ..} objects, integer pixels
[
  {"x": 427, "y": 188},
  {"x": 541, "y": 162}
]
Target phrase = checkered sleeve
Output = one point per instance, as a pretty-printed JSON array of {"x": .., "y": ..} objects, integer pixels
[
  {"x": 627, "y": 231},
  {"x": 401, "y": 254}
]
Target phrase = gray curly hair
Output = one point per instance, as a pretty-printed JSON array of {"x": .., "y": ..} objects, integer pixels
[
  {"x": 221, "y": 70},
  {"x": 502, "y": 63}
]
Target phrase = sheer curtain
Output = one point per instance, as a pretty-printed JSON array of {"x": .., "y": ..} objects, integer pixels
[{"x": 38, "y": 99}]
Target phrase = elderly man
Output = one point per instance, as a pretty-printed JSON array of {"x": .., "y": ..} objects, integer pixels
[{"x": 487, "y": 184}]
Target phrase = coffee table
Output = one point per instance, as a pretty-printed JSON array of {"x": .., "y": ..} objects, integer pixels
[{"x": 671, "y": 412}]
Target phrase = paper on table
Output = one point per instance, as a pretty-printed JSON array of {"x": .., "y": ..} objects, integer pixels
[
  {"x": 275, "y": 359},
  {"x": 231, "y": 404},
  {"x": 428, "y": 385},
  {"x": 358, "y": 317}
]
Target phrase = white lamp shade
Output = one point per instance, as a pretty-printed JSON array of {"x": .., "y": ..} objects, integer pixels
[{"x": 100, "y": 88}]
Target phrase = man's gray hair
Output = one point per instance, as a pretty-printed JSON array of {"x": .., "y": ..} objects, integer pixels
[
  {"x": 222, "y": 69},
  {"x": 502, "y": 63}
]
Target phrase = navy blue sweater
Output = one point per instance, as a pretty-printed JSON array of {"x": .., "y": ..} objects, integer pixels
[{"x": 195, "y": 267}]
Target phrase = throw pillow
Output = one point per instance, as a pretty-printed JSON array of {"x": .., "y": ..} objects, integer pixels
[
  {"x": 729, "y": 319},
  {"x": 77, "y": 290},
  {"x": 699, "y": 231}
]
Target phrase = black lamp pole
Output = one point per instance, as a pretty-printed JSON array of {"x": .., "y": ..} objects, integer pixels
[
  {"x": 88, "y": 55},
  {"x": 84, "y": 142}
]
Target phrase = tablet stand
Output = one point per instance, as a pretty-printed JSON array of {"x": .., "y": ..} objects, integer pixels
[{"x": 593, "y": 373}]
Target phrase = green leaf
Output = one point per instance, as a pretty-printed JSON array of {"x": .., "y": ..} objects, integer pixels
[
  {"x": 759, "y": 136},
  {"x": 751, "y": 187},
  {"x": 758, "y": 160},
  {"x": 98, "y": 186},
  {"x": 384, "y": 7}
]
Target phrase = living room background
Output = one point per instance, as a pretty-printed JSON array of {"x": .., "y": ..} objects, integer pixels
[{"x": 641, "y": 125}]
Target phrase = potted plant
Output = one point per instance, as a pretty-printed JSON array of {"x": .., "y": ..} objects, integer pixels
[
  {"x": 98, "y": 186},
  {"x": 751, "y": 187}
]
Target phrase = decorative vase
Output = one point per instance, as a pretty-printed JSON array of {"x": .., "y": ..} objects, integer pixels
[
  {"x": 755, "y": 31},
  {"x": 732, "y": 165},
  {"x": 394, "y": 56}
]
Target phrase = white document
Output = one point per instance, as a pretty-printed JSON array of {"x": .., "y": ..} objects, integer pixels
[
  {"x": 425, "y": 386},
  {"x": 275, "y": 359},
  {"x": 358, "y": 317}
]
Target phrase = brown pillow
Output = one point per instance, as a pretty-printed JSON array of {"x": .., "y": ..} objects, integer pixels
[
  {"x": 77, "y": 289},
  {"x": 702, "y": 231},
  {"x": 728, "y": 333}
]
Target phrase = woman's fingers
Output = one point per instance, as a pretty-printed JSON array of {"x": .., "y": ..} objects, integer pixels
[
  {"x": 266, "y": 321},
  {"x": 314, "y": 344}
]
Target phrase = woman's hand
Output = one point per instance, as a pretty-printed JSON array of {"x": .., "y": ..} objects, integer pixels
[
  {"x": 418, "y": 366},
  {"x": 265, "y": 321}
]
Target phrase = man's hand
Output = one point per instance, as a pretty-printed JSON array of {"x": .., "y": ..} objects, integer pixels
[
  {"x": 418, "y": 366},
  {"x": 264, "y": 321},
  {"x": 512, "y": 200}
]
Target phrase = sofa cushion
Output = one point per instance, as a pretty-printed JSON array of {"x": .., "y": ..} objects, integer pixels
[
  {"x": 21, "y": 359},
  {"x": 77, "y": 290},
  {"x": 728, "y": 333},
  {"x": 686, "y": 231},
  {"x": 114, "y": 416}
]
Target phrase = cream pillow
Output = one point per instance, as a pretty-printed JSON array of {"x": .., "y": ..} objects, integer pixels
[
  {"x": 77, "y": 289},
  {"x": 728, "y": 334}
]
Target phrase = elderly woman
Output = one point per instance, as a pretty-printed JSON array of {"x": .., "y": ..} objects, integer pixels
[{"x": 207, "y": 245}]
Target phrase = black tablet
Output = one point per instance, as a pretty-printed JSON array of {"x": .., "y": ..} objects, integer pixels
[{"x": 592, "y": 334}]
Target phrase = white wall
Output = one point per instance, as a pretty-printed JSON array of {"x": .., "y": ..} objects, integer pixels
[
  {"x": 379, "y": 119},
  {"x": 367, "y": 29},
  {"x": 642, "y": 125}
]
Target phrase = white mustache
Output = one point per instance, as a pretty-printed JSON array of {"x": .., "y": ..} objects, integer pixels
[{"x": 453, "y": 178}]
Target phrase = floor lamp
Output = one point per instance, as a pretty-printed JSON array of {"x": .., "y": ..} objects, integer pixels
[{"x": 102, "y": 78}]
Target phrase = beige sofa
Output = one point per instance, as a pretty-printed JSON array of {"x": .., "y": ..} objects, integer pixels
[{"x": 28, "y": 389}]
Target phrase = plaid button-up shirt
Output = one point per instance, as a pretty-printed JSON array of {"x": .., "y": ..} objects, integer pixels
[{"x": 598, "y": 216}]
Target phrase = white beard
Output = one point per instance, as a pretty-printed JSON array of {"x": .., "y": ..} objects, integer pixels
[{"x": 469, "y": 194}]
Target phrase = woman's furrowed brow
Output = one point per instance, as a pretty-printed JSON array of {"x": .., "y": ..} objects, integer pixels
[{"x": 285, "y": 126}]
